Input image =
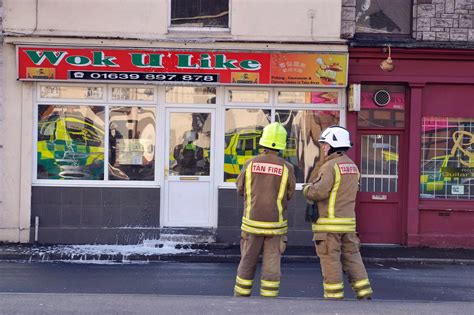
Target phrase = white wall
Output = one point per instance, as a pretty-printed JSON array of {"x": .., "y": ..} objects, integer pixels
[
  {"x": 123, "y": 18},
  {"x": 251, "y": 20},
  {"x": 288, "y": 20},
  {"x": 16, "y": 130}
]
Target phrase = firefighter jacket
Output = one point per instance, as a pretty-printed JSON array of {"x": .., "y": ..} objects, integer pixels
[
  {"x": 267, "y": 182},
  {"x": 335, "y": 189}
]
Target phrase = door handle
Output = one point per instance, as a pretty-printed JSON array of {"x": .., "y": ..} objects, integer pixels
[{"x": 167, "y": 172}]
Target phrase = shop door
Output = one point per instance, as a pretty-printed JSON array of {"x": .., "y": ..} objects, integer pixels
[
  {"x": 189, "y": 153},
  {"x": 379, "y": 201}
]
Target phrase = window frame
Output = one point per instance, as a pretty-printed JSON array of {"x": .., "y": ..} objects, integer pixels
[
  {"x": 159, "y": 106},
  {"x": 184, "y": 29},
  {"x": 106, "y": 103}
]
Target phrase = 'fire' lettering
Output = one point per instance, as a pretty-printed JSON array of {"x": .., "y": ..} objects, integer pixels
[{"x": 267, "y": 168}]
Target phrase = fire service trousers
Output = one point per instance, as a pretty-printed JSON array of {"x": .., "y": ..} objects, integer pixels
[
  {"x": 339, "y": 252},
  {"x": 251, "y": 246}
]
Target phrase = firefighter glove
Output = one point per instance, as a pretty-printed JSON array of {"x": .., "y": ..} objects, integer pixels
[{"x": 311, "y": 213}]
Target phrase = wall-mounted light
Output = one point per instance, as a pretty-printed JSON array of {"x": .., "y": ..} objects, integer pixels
[{"x": 387, "y": 64}]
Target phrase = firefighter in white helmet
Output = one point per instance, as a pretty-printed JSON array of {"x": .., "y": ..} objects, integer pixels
[
  {"x": 337, "y": 244},
  {"x": 267, "y": 182}
]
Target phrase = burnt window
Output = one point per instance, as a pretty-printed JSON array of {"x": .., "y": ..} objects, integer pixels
[
  {"x": 384, "y": 16},
  {"x": 200, "y": 13}
]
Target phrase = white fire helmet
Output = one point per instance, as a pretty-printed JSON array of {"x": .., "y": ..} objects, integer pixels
[{"x": 336, "y": 136}]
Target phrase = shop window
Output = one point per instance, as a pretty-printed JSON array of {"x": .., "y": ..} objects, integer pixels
[
  {"x": 243, "y": 129},
  {"x": 247, "y": 96},
  {"x": 447, "y": 158},
  {"x": 131, "y": 143},
  {"x": 303, "y": 128},
  {"x": 71, "y": 92},
  {"x": 385, "y": 17},
  {"x": 300, "y": 97},
  {"x": 382, "y": 106},
  {"x": 190, "y": 95},
  {"x": 200, "y": 13},
  {"x": 70, "y": 142},
  {"x": 379, "y": 163},
  {"x": 132, "y": 94}
]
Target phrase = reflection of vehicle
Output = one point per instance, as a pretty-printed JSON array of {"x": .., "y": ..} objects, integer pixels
[
  {"x": 436, "y": 176},
  {"x": 290, "y": 152},
  {"x": 70, "y": 148},
  {"x": 432, "y": 179},
  {"x": 242, "y": 144}
]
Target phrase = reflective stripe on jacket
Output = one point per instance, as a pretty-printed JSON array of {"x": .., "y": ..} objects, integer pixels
[
  {"x": 267, "y": 182},
  {"x": 335, "y": 190}
]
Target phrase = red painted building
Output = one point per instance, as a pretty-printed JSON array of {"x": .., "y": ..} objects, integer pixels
[{"x": 414, "y": 138}]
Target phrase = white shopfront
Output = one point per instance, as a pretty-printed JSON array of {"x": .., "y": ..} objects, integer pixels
[{"x": 183, "y": 134}]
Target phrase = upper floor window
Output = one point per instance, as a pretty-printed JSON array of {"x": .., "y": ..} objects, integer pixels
[
  {"x": 200, "y": 13},
  {"x": 383, "y": 16}
]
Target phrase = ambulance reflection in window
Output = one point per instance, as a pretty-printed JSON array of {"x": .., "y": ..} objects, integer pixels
[{"x": 190, "y": 157}]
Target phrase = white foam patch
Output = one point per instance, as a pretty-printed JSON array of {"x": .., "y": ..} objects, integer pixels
[
  {"x": 104, "y": 262},
  {"x": 126, "y": 250},
  {"x": 158, "y": 248}
]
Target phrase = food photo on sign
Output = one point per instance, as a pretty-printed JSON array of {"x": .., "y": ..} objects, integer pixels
[{"x": 309, "y": 69}]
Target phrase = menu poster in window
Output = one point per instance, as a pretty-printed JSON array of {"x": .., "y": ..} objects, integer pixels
[{"x": 131, "y": 151}]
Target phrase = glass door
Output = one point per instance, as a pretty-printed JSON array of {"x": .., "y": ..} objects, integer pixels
[{"x": 189, "y": 168}]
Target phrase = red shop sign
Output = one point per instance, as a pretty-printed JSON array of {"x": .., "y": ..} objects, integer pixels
[{"x": 79, "y": 64}]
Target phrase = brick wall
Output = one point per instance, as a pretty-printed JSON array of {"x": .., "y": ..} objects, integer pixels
[
  {"x": 433, "y": 20},
  {"x": 348, "y": 18},
  {"x": 443, "y": 20}
]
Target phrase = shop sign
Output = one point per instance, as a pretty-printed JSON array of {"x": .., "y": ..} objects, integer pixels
[{"x": 159, "y": 66}]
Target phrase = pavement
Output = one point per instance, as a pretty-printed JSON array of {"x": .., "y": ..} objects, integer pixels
[
  {"x": 54, "y": 303},
  {"x": 219, "y": 252}
]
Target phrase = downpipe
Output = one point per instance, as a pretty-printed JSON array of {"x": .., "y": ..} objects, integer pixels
[{"x": 37, "y": 220}]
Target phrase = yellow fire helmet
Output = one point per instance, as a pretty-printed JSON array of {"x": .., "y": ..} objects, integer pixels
[{"x": 273, "y": 137}]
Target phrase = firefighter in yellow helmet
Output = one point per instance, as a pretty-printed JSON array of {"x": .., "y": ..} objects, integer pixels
[
  {"x": 334, "y": 190},
  {"x": 267, "y": 182}
]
